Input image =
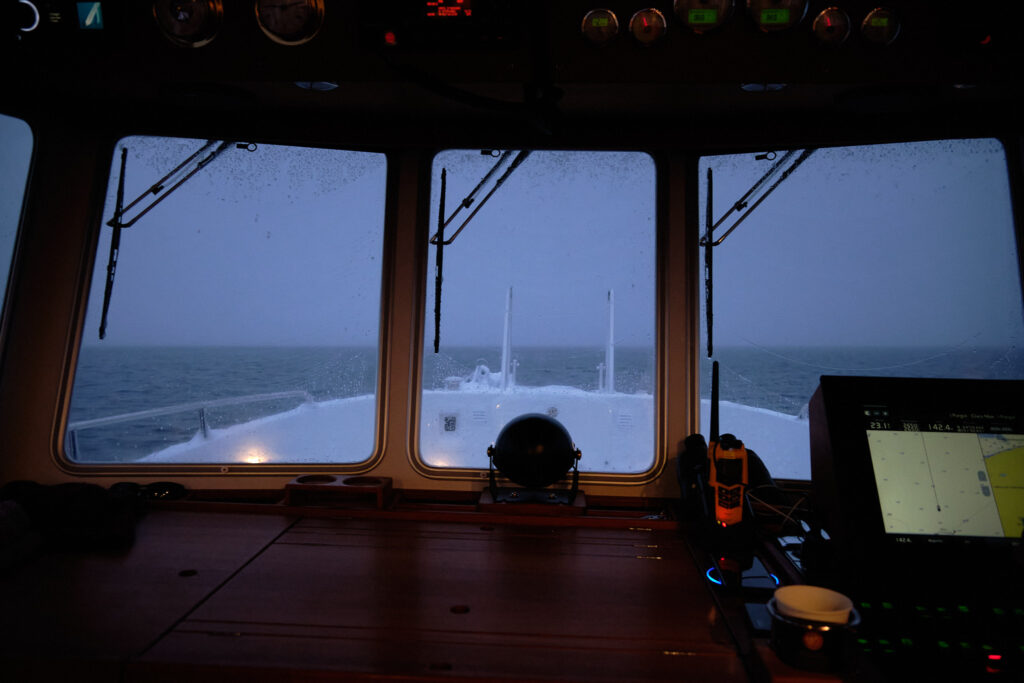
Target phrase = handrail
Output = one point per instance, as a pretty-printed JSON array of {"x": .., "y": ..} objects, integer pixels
[{"x": 183, "y": 407}]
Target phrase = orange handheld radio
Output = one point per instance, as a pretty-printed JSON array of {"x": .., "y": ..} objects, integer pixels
[{"x": 728, "y": 471}]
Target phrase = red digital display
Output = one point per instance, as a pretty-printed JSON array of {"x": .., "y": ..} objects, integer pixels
[{"x": 449, "y": 8}]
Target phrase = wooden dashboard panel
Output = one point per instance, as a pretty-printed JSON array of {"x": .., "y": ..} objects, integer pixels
[
  {"x": 412, "y": 599},
  {"x": 222, "y": 596}
]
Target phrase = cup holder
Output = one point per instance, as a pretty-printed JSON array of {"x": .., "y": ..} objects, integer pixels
[
  {"x": 328, "y": 490},
  {"x": 316, "y": 479}
]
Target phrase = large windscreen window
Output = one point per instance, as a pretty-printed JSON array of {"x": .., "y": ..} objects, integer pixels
[
  {"x": 236, "y": 321},
  {"x": 886, "y": 260},
  {"x": 547, "y": 305},
  {"x": 15, "y": 156}
]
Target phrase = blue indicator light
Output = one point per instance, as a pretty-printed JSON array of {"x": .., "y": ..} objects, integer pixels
[{"x": 713, "y": 579}]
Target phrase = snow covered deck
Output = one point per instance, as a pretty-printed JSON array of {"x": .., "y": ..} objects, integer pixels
[{"x": 614, "y": 431}]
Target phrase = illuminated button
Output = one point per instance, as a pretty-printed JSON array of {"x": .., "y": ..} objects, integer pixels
[
  {"x": 880, "y": 26},
  {"x": 648, "y": 26},
  {"x": 90, "y": 16},
  {"x": 600, "y": 26}
]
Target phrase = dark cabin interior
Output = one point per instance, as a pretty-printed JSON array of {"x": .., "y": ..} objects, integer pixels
[{"x": 387, "y": 568}]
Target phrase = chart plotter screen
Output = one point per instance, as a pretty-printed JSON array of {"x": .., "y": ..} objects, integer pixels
[{"x": 947, "y": 474}]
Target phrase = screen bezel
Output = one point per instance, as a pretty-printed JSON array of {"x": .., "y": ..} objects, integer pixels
[{"x": 840, "y": 451}]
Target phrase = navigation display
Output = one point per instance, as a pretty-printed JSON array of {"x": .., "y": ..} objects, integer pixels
[{"x": 952, "y": 474}]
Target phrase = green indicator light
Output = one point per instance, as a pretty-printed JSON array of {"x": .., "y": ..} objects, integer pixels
[
  {"x": 774, "y": 17},
  {"x": 702, "y": 16},
  {"x": 883, "y": 641},
  {"x": 866, "y": 605},
  {"x": 940, "y": 610},
  {"x": 987, "y": 648},
  {"x": 599, "y": 22},
  {"x": 998, "y": 611},
  {"x": 963, "y": 608},
  {"x": 907, "y": 641},
  {"x": 920, "y": 608},
  {"x": 887, "y": 605},
  {"x": 966, "y": 646},
  {"x": 880, "y": 22},
  {"x": 889, "y": 651},
  {"x": 944, "y": 645},
  {"x": 862, "y": 641}
]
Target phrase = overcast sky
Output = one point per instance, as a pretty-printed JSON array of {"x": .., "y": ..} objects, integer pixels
[
  {"x": 901, "y": 245},
  {"x": 896, "y": 245},
  {"x": 282, "y": 246}
]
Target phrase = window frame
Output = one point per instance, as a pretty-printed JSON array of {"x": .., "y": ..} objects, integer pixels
[
  {"x": 662, "y": 161},
  {"x": 12, "y": 269},
  {"x": 1013, "y": 151},
  {"x": 91, "y": 256}
]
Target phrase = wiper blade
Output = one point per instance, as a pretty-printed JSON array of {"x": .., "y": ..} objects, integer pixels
[
  {"x": 214, "y": 149},
  {"x": 470, "y": 198},
  {"x": 438, "y": 239},
  {"x": 158, "y": 188},
  {"x": 741, "y": 204},
  {"x": 115, "y": 246}
]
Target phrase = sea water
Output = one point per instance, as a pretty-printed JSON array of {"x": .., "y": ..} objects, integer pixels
[{"x": 118, "y": 380}]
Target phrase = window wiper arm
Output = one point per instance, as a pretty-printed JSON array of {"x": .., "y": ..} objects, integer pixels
[
  {"x": 708, "y": 241},
  {"x": 161, "y": 192},
  {"x": 742, "y": 202},
  {"x": 438, "y": 239},
  {"x": 470, "y": 198},
  {"x": 158, "y": 188}
]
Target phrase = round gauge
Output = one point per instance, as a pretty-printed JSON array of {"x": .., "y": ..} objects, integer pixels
[
  {"x": 600, "y": 26},
  {"x": 777, "y": 15},
  {"x": 832, "y": 26},
  {"x": 703, "y": 15},
  {"x": 648, "y": 26},
  {"x": 189, "y": 23},
  {"x": 290, "y": 22},
  {"x": 880, "y": 26}
]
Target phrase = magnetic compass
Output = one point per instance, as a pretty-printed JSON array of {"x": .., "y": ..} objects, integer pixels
[
  {"x": 290, "y": 22},
  {"x": 189, "y": 23}
]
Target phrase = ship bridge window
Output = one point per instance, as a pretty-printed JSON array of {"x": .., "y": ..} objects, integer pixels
[
  {"x": 16, "y": 144},
  {"x": 894, "y": 260},
  {"x": 242, "y": 308},
  {"x": 544, "y": 302}
]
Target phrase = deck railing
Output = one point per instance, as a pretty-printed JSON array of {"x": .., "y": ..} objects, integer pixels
[{"x": 199, "y": 406}]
